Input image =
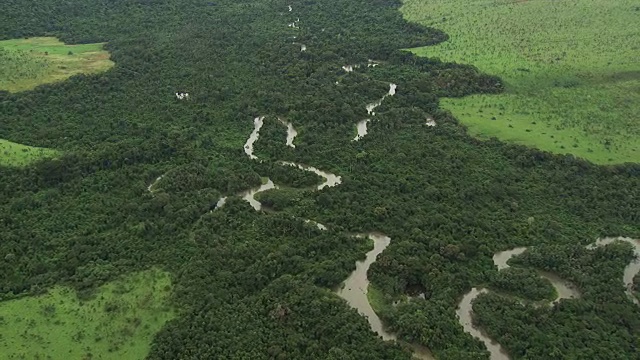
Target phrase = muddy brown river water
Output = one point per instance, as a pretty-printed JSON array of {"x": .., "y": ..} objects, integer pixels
[{"x": 355, "y": 288}]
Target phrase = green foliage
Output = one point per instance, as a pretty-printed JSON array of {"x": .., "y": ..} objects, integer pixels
[
  {"x": 280, "y": 199},
  {"x": 597, "y": 274},
  {"x": 523, "y": 283},
  {"x": 254, "y": 284},
  {"x": 277, "y": 317},
  {"x": 195, "y": 176},
  {"x": 571, "y": 88},
  {"x": 292, "y": 176}
]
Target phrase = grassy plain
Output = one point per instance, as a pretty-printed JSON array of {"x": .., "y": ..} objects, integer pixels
[
  {"x": 13, "y": 154},
  {"x": 27, "y": 63},
  {"x": 571, "y": 70},
  {"x": 376, "y": 299},
  {"x": 119, "y": 322}
]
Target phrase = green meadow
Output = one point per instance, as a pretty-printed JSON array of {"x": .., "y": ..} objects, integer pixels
[
  {"x": 377, "y": 300},
  {"x": 27, "y": 63},
  {"x": 13, "y": 154},
  {"x": 118, "y": 322},
  {"x": 571, "y": 70}
]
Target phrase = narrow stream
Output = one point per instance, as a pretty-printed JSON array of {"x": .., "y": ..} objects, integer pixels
[
  {"x": 355, "y": 286},
  {"x": 330, "y": 180},
  {"x": 317, "y": 224},
  {"x": 361, "y": 126},
  {"x": 150, "y": 187},
  {"x": 294, "y": 24},
  {"x": 564, "y": 288},
  {"x": 349, "y": 68},
  {"x": 501, "y": 258},
  {"x": 221, "y": 202},
  {"x": 354, "y": 291},
  {"x": 249, "y": 195},
  {"x": 248, "y": 146},
  {"x": 291, "y": 132},
  {"x": 465, "y": 316}
]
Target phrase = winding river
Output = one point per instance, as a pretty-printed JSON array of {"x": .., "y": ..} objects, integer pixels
[
  {"x": 349, "y": 68},
  {"x": 291, "y": 132},
  {"x": 354, "y": 291},
  {"x": 355, "y": 287},
  {"x": 330, "y": 180},
  {"x": 150, "y": 187},
  {"x": 249, "y": 195},
  {"x": 248, "y": 146},
  {"x": 361, "y": 126},
  {"x": 564, "y": 289},
  {"x": 317, "y": 224}
]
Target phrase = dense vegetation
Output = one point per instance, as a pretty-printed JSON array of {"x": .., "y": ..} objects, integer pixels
[
  {"x": 524, "y": 283},
  {"x": 256, "y": 284},
  {"x": 517, "y": 327},
  {"x": 570, "y": 68}
]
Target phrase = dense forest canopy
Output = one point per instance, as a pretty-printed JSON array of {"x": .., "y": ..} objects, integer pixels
[{"x": 257, "y": 285}]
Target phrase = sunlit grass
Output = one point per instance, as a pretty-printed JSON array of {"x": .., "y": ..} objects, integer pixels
[
  {"x": 376, "y": 299},
  {"x": 571, "y": 69},
  {"x": 27, "y": 63},
  {"x": 13, "y": 154},
  {"x": 118, "y": 323}
]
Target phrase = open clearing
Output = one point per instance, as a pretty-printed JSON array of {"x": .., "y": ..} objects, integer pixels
[
  {"x": 27, "y": 63},
  {"x": 13, "y": 154},
  {"x": 119, "y": 322},
  {"x": 571, "y": 70}
]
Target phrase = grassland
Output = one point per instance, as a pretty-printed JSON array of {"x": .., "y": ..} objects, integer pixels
[
  {"x": 376, "y": 299},
  {"x": 13, "y": 154},
  {"x": 571, "y": 70},
  {"x": 27, "y": 63},
  {"x": 119, "y": 322}
]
